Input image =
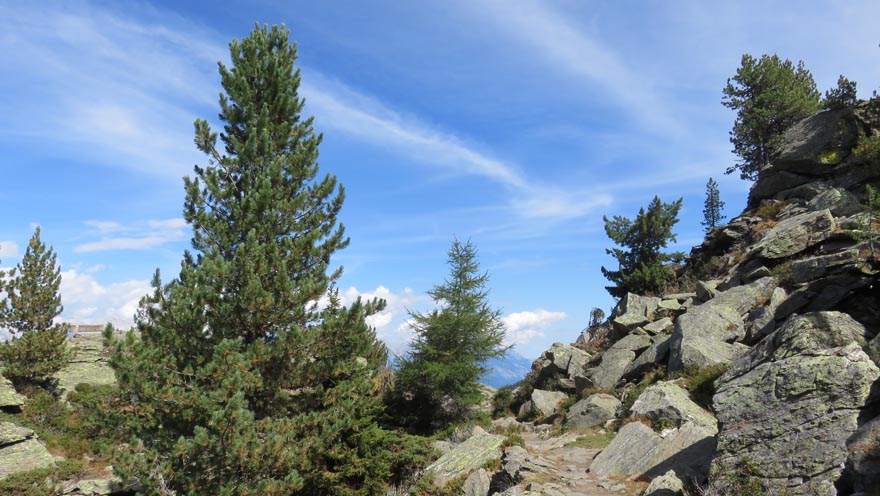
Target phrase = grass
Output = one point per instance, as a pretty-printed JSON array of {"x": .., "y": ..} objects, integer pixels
[
  {"x": 700, "y": 383},
  {"x": 593, "y": 439},
  {"x": 769, "y": 211}
]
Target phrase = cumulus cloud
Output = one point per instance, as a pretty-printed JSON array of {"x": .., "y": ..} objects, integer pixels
[
  {"x": 390, "y": 323},
  {"x": 523, "y": 326},
  {"x": 8, "y": 249},
  {"x": 115, "y": 236},
  {"x": 86, "y": 301}
]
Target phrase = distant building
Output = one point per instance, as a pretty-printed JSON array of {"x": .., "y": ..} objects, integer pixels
[{"x": 85, "y": 328}]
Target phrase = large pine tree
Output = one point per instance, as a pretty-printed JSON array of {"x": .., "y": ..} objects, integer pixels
[
  {"x": 37, "y": 347},
  {"x": 437, "y": 382},
  {"x": 239, "y": 382}
]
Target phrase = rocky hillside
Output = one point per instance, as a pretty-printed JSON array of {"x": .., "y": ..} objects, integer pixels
[{"x": 758, "y": 371}]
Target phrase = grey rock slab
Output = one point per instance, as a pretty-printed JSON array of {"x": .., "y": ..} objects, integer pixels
[
  {"x": 660, "y": 326},
  {"x": 610, "y": 371},
  {"x": 667, "y": 400},
  {"x": 773, "y": 182},
  {"x": 11, "y": 433},
  {"x": 648, "y": 359},
  {"x": 632, "y": 342},
  {"x": 562, "y": 359},
  {"x": 466, "y": 457},
  {"x": 808, "y": 269},
  {"x": 670, "y": 304},
  {"x": 789, "y": 403},
  {"x": 633, "y": 311},
  {"x": 795, "y": 234},
  {"x": 638, "y": 451},
  {"x": 8, "y": 396},
  {"x": 814, "y": 144},
  {"x": 546, "y": 403},
  {"x": 706, "y": 290},
  {"x": 838, "y": 201},
  {"x": 24, "y": 456},
  {"x": 477, "y": 484},
  {"x": 592, "y": 411}
]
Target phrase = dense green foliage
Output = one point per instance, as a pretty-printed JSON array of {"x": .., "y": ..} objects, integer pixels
[
  {"x": 769, "y": 95},
  {"x": 37, "y": 348},
  {"x": 713, "y": 206},
  {"x": 239, "y": 383},
  {"x": 437, "y": 382},
  {"x": 642, "y": 266},
  {"x": 844, "y": 95}
]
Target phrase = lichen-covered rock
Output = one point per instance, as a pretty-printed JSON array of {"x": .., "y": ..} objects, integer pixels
[
  {"x": 561, "y": 360},
  {"x": 22, "y": 451},
  {"x": 703, "y": 334},
  {"x": 814, "y": 144},
  {"x": 633, "y": 311},
  {"x": 789, "y": 404},
  {"x": 706, "y": 290},
  {"x": 88, "y": 365},
  {"x": 838, "y": 201},
  {"x": 638, "y": 451},
  {"x": 650, "y": 358},
  {"x": 9, "y": 398},
  {"x": 614, "y": 363},
  {"x": 477, "y": 484},
  {"x": 808, "y": 269},
  {"x": 666, "y": 400},
  {"x": 632, "y": 342},
  {"x": 592, "y": 411},
  {"x": 546, "y": 403},
  {"x": 660, "y": 326},
  {"x": 466, "y": 457},
  {"x": 795, "y": 234},
  {"x": 667, "y": 484}
]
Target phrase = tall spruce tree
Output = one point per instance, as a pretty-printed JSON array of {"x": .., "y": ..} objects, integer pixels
[
  {"x": 37, "y": 347},
  {"x": 769, "y": 95},
  {"x": 239, "y": 383},
  {"x": 452, "y": 344},
  {"x": 713, "y": 206},
  {"x": 642, "y": 266}
]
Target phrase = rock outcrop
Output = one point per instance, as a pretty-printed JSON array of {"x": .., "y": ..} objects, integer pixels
[
  {"x": 789, "y": 404},
  {"x": 592, "y": 411},
  {"x": 20, "y": 451},
  {"x": 467, "y": 456}
]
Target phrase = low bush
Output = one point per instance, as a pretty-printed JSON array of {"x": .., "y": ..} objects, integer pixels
[{"x": 701, "y": 383}]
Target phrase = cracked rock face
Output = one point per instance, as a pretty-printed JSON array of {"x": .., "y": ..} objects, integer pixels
[{"x": 788, "y": 405}]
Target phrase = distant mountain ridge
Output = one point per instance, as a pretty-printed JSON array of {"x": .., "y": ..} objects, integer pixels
[{"x": 506, "y": 370}]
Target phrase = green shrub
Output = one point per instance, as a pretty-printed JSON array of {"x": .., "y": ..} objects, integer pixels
[
  {"x": 42, "y": 481},
  {"x": 502, "y": 402},
  {"x": 701, "y": 383},
  {"x": 868, "y": 147},
  {"x": 514, "y": 440}
]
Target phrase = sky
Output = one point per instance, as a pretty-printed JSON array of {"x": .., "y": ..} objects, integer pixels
[{"x": 516, "y": 124}]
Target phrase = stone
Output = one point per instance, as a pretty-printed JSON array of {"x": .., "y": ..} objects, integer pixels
[
  {"x": 639, "y": 452},
  {"x": 772, "y": 182},
  {"x": 11, "y": 433},
  {"x": 632, "y": 342},
  {"x": 648, "y": 359},
  {"x": 760, "y": 322},
  {"x": 466, "y": 457},
  {"x": 9, "y": 398},
  {"x": 24, "y": 456},
  {"x": 838, "y": 201},
  {"x": 863, "y": 464},
  {"x": 660, "y": 326},
  {"x": 789, "y": 404},
  {"x": 561, "y": 360},
  {"x": 795, "y": 234},
  {"x": 809, "y": 269},
  {"x": 814, "y": 144},
  {"x": 703, "y": 334},
  {"x": 89, "y": 364},
  {"x": 610, "y": 371},
  {"x": 706, "y": 290},
  {"x": 477, "y": 484},
  {"x": 670, "y": 304},
  {"x": 633, "y": 311},
  {"x": 667, "y": 484},
  {"x": 668, "y": 401},
  {"x": 516, "y": 465},
  {"x": 592, "y": 411},
  {"x": 546, "y": 403}
]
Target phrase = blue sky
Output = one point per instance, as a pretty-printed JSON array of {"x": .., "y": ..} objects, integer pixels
[{"x": 517, "y": 124}]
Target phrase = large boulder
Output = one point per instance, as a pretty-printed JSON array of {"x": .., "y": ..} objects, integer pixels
[
  {"x": 543, "y": 404},
  {"x": 637, "y": 451},
  {"x": 592, "y": 411},
  {"x": 795, "y": 234},
  {"x": 788, "y": 405},
  {"x": 614, "y": 363},
  {"x": 466, "y": 457},
  {"x": 633, "y": 311},
  {"x": 650, "y": 358},
  {"x": 815, "y": 144},
  {"x": 667, "y": 484},
  {"x": 477, "y": 484},
  {"x": 9, "y": 398},
  {"x": 808, "y": 269},
  {"x": 668, "y": 401},
  {"x": 703, "y": 335},
  {"x": 20, "y": 451},
  {"x": 561, "y": 360}
]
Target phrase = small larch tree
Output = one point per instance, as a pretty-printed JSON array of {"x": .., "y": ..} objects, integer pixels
[
  {"x": 37, "y": 348},
  {"x": 843, "y": 95},
  {"x": 713, "y": 206},
  {"x": 769, "y": 95},
  {"x": 239, "y": 383},
  {"x": 438, "y": 379},
  {"x": 641, "y": 265}
]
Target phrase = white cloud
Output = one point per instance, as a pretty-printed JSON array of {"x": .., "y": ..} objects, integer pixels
[
  {"x": 86, "y": 301},
  {"x": 523, "y": 326},
  {"x": 390, "y": 323},
  {"x": 8, "y": 249},
  {"x": 137, "y": 237}
]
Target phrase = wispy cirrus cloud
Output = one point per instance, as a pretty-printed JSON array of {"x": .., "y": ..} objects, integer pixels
[{"x": 115, "y": 236}]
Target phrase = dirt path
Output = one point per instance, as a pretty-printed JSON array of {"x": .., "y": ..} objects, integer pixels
[{"x": 557, "y": 465}]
